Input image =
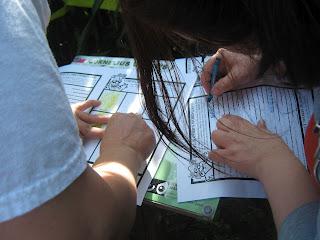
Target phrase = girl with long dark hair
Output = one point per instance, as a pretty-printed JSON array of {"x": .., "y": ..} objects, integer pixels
[{"x": 252, "y": 38}]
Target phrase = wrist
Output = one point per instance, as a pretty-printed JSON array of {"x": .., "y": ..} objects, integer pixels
[
  {"x": 123, "y": 155},
  {"x": 277, "y": 167},
  {"x": 278, "y": 160}
]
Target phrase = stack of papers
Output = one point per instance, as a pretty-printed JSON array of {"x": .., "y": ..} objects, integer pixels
[{"x": 114, "y": 82}]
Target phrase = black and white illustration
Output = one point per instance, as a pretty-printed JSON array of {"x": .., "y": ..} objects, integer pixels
[
  {"x": 117, "y": 82},
  {"x": 118, "y": 89},
  {"x": 285, "y": 112}
]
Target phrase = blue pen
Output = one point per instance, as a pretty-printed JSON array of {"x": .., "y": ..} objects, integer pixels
[{"x": 214, "y": 74}]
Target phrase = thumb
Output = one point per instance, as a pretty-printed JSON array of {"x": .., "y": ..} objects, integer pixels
[
  {"x": 262, "y": 124},
  {"x": 205, "y": 77}
]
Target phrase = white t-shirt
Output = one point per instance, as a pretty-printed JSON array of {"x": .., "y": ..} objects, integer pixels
[{"x": 40, "y": 150}]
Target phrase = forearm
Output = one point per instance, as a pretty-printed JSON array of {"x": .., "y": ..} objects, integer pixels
[
  {"x": 288, "y": 186},
  {"x": 119, "y": 168}
]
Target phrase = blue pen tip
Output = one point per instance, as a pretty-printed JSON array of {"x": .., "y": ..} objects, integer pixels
[{"x": 209, "y": 98}]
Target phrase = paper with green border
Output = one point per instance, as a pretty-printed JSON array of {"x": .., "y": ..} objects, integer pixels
[{"x": 163, "y": 191}]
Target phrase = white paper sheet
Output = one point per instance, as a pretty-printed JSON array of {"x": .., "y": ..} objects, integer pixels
[
  {"x": 118, "y": 90},
  {"x": 285, "y": 111}
]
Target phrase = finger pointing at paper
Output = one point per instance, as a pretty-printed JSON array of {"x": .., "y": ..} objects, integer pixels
[{"x": 86, "y": 122}]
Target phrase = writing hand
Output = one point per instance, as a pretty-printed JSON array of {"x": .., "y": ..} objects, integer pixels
[{"x": 236, "y": 71}]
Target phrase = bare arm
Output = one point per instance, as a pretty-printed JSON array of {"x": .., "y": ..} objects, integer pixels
[
  {"x": 93, "y": 206},
  {"x": 288, "y": 186},
  {"x": 87, "y": 209},
  {"x": 260, "y": 154}
]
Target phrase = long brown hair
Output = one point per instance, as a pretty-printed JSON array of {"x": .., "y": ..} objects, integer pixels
[{"x": 281, "y": 30}]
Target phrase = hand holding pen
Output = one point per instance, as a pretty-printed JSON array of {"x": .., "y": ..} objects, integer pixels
[
  {"x": 209, "y": 76},
  {"x": 235, "y": 70},
  {"x": 214, "y": 73}
]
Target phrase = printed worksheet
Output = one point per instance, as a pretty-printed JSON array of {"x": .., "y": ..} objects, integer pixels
[
  {"x": 285, "y": 111},
  {"x": 118, "y": 90}
]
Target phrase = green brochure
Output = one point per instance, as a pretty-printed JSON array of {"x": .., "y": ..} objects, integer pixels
[{"x": 163, "y": 190}]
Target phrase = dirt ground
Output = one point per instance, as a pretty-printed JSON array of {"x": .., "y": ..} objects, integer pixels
[{"x": 236, "y": 219}]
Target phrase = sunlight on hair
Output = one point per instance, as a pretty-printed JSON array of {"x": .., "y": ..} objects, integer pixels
[{"x": 114, "y": 168}]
